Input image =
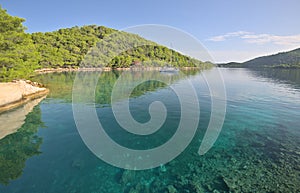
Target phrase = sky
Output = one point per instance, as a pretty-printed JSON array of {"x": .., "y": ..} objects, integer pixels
[{"x": 230, "y": 30}]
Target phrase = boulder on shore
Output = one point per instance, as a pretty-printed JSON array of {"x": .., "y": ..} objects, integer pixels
[{"x": 16, "y": 93}]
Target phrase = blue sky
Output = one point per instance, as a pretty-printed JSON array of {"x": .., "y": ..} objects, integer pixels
[{"x": 231, "y": 30}]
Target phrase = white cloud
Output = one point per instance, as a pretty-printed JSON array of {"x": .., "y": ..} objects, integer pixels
[
  {"x": 228, "y": 35},
  {"x": 217, "y": 38},
  {"x": 268, "y": 38},
  {"x": 292, "y": 40}
]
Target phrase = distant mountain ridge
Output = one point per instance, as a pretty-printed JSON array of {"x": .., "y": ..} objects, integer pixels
[{"x": 289, "y": 59}]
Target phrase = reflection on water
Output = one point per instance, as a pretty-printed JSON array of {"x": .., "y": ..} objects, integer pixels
[
  {"x": 287, "y": 76},
  {"x": 257, "y": 150},
  {"x": 16, "y": 148},
  {"x": 61, "y": 84},
  {"x": 12, "y": 120}
]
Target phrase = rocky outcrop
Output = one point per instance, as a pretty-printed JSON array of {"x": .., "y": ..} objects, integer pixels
[{"x": 16, "y": 93}]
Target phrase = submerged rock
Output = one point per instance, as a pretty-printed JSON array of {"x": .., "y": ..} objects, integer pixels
[
  {"x": 127, "y": 177},
  {"x": 162, "y": 168},
  {"x": 77, "y": 163},
  {"x": 171, "y": 189}
]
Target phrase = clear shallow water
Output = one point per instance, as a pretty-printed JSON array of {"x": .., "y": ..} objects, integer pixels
[{"x": 257, "y": 150}]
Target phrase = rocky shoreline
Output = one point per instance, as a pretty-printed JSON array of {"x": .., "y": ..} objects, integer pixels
[
  {"x": 17, "y": 93},
  {"x": 51, "y": 70},
  {"x": 137, "y": 68}
]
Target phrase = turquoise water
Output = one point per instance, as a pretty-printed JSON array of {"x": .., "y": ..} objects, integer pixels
[{"x": 257, "y": 150}]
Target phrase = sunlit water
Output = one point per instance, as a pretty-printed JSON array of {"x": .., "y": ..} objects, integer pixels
[{"x": 257, "y": 150}]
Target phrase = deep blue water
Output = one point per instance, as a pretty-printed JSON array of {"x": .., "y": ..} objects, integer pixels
[{"x": 257, "y": 150}]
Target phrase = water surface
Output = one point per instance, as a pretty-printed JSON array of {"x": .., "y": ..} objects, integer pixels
[{"x": 257, "y": 150}]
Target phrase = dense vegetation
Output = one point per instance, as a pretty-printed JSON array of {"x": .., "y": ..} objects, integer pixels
[
  {"x": 22, "y": 53},
  {"x": 67, "y": 47},
  {"x": 289, "y": 59},
  {"x": 155, "y": 55},
  {"x": 121, "y": 49},
  {"x": 18, "y": 54}
]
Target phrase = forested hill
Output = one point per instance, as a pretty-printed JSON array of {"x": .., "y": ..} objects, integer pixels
[
  {"x": 22, "y": 53},
  {"x": 67, "y": 47},
  {"x": 289, "y": 59}
]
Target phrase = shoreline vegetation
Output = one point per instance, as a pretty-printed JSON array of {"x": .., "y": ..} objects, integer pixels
[
  {"x": 106, "y": 69},
  {"x": 88, "y": 46},
  {"x": 24, "y": 55}
]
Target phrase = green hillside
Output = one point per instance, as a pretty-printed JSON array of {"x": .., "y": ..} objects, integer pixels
[
  {"x": 18, "y": 55},
  {"x": 22, "y": 53},
  {"x": 290, "y": 59}
]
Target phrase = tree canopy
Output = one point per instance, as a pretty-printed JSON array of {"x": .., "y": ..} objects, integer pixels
[
  {"x": 22, "y": 53},
  {"x": 18, "y": 55}
]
